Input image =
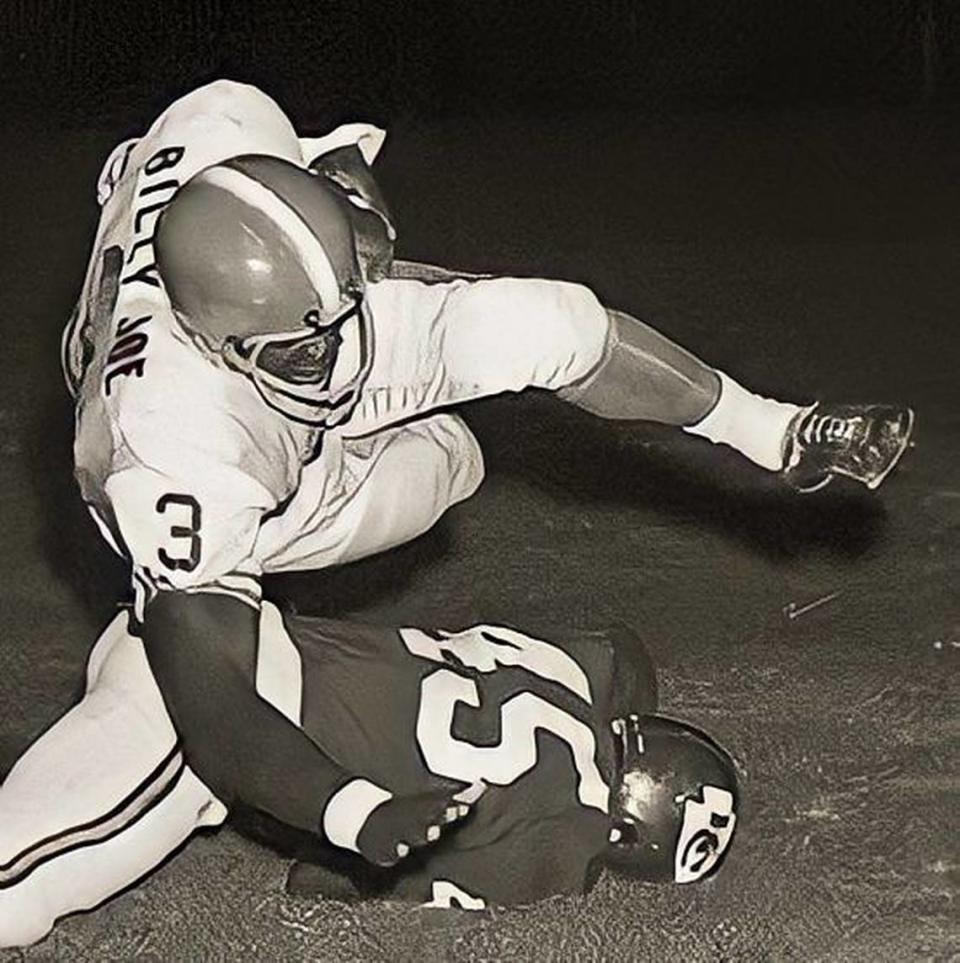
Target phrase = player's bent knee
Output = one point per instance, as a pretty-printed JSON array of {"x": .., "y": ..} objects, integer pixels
[
  {"x": 583, "y": 331},
  {"x": 567, "y": 332}
]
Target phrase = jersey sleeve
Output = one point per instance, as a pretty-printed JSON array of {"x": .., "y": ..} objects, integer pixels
[
  {"x": 191, "y": 532},
  {"x": 197, "y": 462}
]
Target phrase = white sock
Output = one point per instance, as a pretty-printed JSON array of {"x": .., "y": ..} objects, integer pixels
[{"x": 755, "y": 426}]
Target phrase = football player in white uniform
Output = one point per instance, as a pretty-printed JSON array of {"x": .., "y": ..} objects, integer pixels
[{"x": 261, "y": 388}]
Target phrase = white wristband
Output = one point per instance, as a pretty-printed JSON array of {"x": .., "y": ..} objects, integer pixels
[{"x": 349, "y": 809}]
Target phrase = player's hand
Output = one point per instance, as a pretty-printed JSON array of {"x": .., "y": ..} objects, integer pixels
[{"x": 405, "y": 823}]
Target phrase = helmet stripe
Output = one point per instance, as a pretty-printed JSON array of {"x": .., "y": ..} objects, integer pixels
[{"x": 306, "y": 245}]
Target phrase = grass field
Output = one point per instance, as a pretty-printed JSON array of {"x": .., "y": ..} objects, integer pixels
[{"x": 810, "y": 254}]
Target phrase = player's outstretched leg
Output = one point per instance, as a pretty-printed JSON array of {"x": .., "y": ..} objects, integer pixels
[
  {"x": 99, "y": 800},
  {"x": 643, "y": 375}
]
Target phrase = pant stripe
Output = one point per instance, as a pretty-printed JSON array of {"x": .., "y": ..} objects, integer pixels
[{"x": 128, "y": 811}]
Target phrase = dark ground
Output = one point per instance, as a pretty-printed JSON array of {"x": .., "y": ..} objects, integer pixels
[{"x": 810, "y": 253}]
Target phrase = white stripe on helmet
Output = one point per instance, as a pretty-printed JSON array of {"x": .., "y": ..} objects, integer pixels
[{"x": 305, "y": 244}]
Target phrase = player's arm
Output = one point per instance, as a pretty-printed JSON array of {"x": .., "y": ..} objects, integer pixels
[
  {"x": 202, "y": 649},
  {"x": 198, "y": 597},
  {"x": 346, "y": 167}
]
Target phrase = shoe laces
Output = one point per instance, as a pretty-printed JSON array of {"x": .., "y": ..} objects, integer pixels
[{"x": 828, "y": 429}]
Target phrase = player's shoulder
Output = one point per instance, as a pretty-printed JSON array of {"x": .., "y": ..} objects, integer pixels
[
  {"x": 607, "y": 666},
  {"x": 579, "y": 663},
  {"x": 592, "y": 650},
  {"x": 170, "y": 400},
  {"x": 620, "y": 667},
  {"x": 149, "y": 398}
]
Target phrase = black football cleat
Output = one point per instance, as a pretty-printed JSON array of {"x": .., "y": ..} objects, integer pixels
[{"x": 862, "y": 442}]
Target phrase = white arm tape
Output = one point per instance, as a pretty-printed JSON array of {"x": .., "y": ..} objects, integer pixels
[
  {"x": 366, "y": 137},
  {"x": 349, "y": 809}
]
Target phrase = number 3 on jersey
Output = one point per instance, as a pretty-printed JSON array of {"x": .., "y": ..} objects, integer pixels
[
  {"x": 521, "y": 716},
  {"x": 184, "y": 538}
]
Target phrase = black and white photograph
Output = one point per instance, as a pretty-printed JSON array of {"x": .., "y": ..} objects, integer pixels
[{"x": 480, "y": 481}]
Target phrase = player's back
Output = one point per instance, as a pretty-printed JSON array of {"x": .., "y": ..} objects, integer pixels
[
  {"x": 167, "y": 439},
  {"x": 528, "y": 718},
  {"x": 150, "y": 401}
]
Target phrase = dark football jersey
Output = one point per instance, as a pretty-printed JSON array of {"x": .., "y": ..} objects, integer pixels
[{"x": 529, "y": 718}]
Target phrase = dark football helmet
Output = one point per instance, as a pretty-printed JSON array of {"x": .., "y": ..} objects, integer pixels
[
  {"x": 259, "y": 260},
  {"x": 674, "y": 802}
]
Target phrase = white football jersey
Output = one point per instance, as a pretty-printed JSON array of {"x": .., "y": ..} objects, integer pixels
[
  {"x": 197, "y": 481},
  {"x": 179, "y": 459}
]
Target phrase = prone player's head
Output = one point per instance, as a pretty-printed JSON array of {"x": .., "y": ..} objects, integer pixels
[
  {"x": 673, "y": 803},
  {"x": 259, "y": 260}
]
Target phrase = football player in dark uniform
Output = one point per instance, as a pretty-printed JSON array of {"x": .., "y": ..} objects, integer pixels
[{"x": 554, "y": 743}]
